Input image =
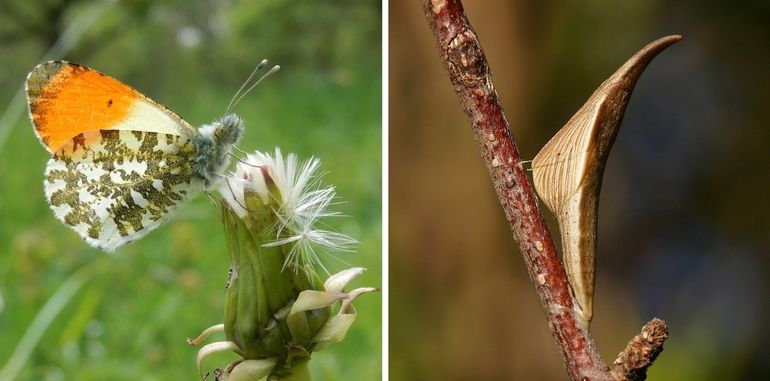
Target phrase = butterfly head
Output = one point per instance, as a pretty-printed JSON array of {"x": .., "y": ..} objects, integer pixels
[
  {"x": 213, "y": 144},
  {"x": 228, "y": 130}
]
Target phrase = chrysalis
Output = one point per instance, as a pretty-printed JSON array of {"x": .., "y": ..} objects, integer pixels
[{"x": 568, "y": 171}]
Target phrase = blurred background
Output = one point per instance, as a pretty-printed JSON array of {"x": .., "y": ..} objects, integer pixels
[
  {"x": 126, "y": 316},
  {"x": 684, "y": 217}
]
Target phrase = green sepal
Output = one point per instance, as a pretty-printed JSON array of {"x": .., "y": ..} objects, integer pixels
[{"x": 252, "y": 370}]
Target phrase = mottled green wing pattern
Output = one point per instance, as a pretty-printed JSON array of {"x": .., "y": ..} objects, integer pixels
[{"x": 114, "y": 186}]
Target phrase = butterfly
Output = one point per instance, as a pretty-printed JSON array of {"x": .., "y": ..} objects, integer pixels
[{"x": 121, "y": 163}]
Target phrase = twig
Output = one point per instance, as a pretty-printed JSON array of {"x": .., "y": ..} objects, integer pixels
[
  {"x": 467, "y": 67},
  {"x": 640, "y": 352}
]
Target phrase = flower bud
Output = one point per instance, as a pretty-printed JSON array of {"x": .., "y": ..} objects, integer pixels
[{"x": 277, "y": 309}]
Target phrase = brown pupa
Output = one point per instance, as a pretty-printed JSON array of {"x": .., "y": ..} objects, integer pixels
[{"x": 568, "y": 171}]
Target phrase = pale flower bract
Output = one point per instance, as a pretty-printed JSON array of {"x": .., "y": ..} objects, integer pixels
[{"x": 303, "y": 202}]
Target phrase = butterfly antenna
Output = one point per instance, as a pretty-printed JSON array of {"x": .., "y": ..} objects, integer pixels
[
  {"x": 270, "y": 72},
  {"x": 243, "y": 86},
  {"x": 241, "y": 92}
]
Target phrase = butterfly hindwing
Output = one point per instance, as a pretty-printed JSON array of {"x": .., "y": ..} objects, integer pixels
[{"x": 114, "y": 186}]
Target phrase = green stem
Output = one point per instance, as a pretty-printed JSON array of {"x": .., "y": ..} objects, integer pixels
[{"x": 298, "y": 372}]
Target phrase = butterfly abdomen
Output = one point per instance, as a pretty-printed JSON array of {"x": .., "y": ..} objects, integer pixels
[{"x": 213, "y": 148}]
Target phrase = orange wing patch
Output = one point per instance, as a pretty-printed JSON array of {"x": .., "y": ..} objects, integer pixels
[{"x": 66, "y": 100}]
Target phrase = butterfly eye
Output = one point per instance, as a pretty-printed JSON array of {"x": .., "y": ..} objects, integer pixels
[{"x": 229, "y": 129}]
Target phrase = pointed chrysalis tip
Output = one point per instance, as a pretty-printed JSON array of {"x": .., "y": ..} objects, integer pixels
[
  {"x": 672, "y": 37},
  {"x": 666, "y": 41}
]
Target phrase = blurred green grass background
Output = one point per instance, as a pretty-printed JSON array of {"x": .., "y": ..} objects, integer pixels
[{"x": 134, "y": 310}]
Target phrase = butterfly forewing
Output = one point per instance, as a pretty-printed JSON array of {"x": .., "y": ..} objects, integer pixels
[{"x": 66, "y": 100}]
